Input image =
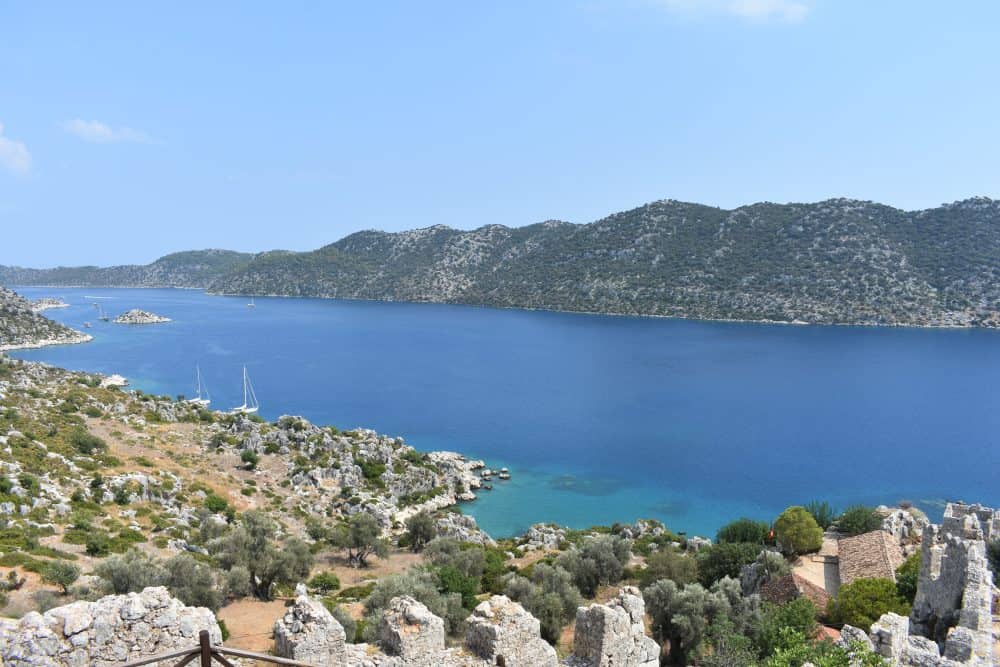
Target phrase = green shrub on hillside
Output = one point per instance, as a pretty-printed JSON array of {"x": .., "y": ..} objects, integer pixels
[
  {"x": 797, "y": 531},
  {"x": 861, "y": 602},
  {"x": 859, "y": 519}
]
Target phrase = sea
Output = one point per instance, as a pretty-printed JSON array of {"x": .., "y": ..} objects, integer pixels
[{"x": 600, "y": 419}]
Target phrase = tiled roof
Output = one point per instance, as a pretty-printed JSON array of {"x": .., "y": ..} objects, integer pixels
[
  {"x": 792, "y": 586},
  {"x": 871, "y": 555}
]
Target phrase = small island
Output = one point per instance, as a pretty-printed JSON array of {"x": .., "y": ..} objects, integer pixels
[
  {"x": 46, "y": 303},
  {"x": 136, "y": 316}
]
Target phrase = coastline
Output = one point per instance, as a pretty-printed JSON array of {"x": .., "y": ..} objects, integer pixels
[
  {"x": 47, "y": 342},
  {"x": 688, "y": 318}
]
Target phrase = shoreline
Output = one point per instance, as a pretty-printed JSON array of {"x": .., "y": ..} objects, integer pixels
[
  {"x": 684, "y": 318},
  {"x": 47, "y": 342}
]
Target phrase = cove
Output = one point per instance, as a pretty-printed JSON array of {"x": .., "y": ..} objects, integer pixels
[{"x": 599, "y": 418}]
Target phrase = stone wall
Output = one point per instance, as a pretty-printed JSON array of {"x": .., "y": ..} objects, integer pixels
[
  {"x": 105, "y": 633},
  {"x": 614, "y": 635},
  {"x": 308, "y": 632},
  {"x": 502, "y": 633}
]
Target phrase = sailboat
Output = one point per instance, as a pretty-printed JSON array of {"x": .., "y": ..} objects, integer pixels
[
  {"x": 251, "y": 304},
  {"x": 250, "y": 404},
  {"x": 101, "y": 315},
  {"x": 198, "y": 400}
]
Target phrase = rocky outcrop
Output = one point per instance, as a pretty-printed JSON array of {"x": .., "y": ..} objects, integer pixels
[
  {"x": 110, "y": 631},
  {"x": 22, "y": 327},
  {"x": 410, "y": 631},
  {"x": 542, "y": 536},
  {"x": 905, "y": 524},
  {"x": 308, "y": 632},
  {"x": 136, "y": 316},
  {"x": 464, "y": 528},
  {"x": 614, "y": 634},
  {"x": 501, "y": 632}
]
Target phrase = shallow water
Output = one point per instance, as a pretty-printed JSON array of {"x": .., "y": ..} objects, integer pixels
[{"x": 600, "y": 419}]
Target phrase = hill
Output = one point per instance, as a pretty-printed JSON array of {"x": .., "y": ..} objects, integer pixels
[
  {"x": 838, "y": 261},
  {"x": 195, "y": 268}
]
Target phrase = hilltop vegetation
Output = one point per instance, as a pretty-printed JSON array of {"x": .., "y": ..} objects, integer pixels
[
  {"x": 194, "y": 268},
  {"x": 838, "y": 261}
]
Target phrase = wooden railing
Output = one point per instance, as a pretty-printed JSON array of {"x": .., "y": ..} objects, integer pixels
[{"x": 207, "y": 653}]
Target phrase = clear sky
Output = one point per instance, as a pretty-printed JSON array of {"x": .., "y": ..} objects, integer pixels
[{"x": 130, "y": 130}]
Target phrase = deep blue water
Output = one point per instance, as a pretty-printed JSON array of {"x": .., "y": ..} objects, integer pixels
[{"x": 600, "y": 419}]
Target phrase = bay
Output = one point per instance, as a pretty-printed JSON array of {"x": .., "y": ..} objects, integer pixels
[{"x": 599, "y": 418}]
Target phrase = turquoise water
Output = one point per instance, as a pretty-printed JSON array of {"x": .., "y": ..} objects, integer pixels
[{"x": 600, "y": 419}]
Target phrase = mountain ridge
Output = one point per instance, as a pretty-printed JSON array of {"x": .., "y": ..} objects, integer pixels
[{"x": 838, "y": 261}]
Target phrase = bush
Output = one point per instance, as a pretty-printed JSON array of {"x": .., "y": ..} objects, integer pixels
[
  {"x": 725, "y": 560},
  {"x": 130, "y": 572},
  {"x": 858, "y": 519},
  {"x": 549, "y": 596},
  {"x": 907, "y": 575},
  {"x": 797, "y": 531},
  {"x": 98, "y": 544},
  {"x": 216, "y": 504},
  {"x": 669, "y": 563},
  {"x": 744, "y": 530},
  {"x": 250, "y": 458},
  {"x": 191, "y": 582},
  {"x": 798, "y": 614},
  {"x": 325, "y": 582},
  {"x": 85, "y": 443},
  {"x": 861, "y": 602},
  {"x": 599, "y": 560},
  {"x": 344, "y": 618},
  {"x": 361, "y": 536},
  {"x": 823, "y": 512}
]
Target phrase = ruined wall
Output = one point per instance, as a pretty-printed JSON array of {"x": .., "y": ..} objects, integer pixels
[{"x": 105, "y": 633}]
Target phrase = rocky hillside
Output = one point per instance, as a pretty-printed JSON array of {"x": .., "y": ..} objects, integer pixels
[
  {"x": 194, "y": 268},
  {"x": 838, "y": 261},
  {"x": 21, "y": 326}
]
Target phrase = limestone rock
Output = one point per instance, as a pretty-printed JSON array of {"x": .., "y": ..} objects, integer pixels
[
  {"x": 501, "y": 632},
  {"x": 613, "y": 635},
  {"x": 409, "y": 630},
  {"x": 110, "y": 631},
  {"x": 308, "y": 632}
]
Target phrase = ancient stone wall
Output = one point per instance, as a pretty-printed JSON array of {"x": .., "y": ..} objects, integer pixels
[
  {"x": 613, "y": 635},
  {"x": 105, "y": 633}
]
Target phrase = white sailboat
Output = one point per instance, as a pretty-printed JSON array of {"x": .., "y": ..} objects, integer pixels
[
  {"x": 101, "y": 315},
  {"x": 250, "y": 404},
  {"x": 198, "y": 399},
  {"x": 251, "y": 304}
]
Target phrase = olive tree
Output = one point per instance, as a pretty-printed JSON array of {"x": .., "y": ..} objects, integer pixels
[{"x": 361, "y": 536}]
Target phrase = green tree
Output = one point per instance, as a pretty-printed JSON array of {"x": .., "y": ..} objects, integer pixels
[
  {"x": 668, "y": 563},
  {"x": 361, "y": 536},
  {"x": 192, "y": 583},
  {"x": 599, "y": 560},
  {"x": 550, "y": 596},
  {"x": 823, "y": 512},
  {"x": 859, "y": 519},
  {"x": 861, "y": 602},
  {"x": 797, "y": 531},
  {"x": 61, "y": 573},
  {"x": 252, "y": 545},
  {"x": 907, "y": 576},
  {"x": 744, "y": 530},
  {"x": 325, "y": 582},
  {"x": 725, "y": 560},
  {"x": 421, "y": 529}
]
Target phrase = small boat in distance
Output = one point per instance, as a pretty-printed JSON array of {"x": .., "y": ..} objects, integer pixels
[
  {"x": 251, "y": 304},
  {"x": 101, "y": 315},
  {"x": 87, "y": 325},
  {"x": 250, "y": 403},
  {"x": 198, "y": 399}
]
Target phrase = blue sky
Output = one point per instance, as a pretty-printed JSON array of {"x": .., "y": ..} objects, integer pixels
[{"x": 131, "y": 130}]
